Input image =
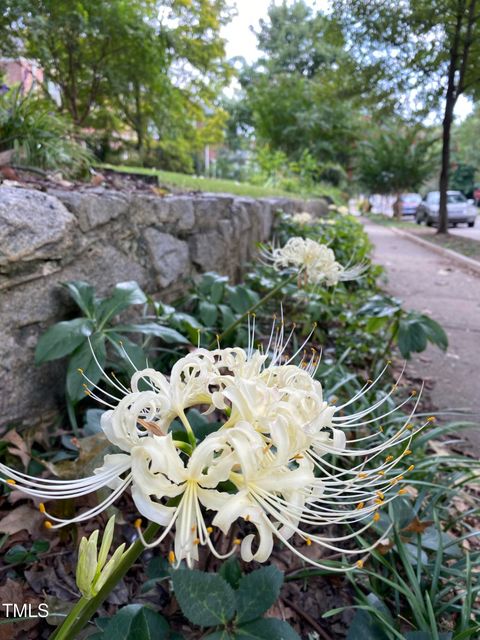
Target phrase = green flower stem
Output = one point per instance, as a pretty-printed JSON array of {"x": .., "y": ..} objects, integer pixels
[
  {"x": 271, "y": 293},
  {"x": 85, "y": 608}
]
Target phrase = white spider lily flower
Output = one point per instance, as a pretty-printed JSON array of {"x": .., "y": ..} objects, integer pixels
[
  {"x": 316, "y": 261},
  {"x": 93, "y": 570},
  {"x": 272, "y": 469},
  {"x": 303, "y": 218}
]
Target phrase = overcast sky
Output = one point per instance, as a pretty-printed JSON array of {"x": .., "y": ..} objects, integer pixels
[{"x": 242, "y": 42}]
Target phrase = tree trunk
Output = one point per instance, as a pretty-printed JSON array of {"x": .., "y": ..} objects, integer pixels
[{"x": 444, "y": 174}]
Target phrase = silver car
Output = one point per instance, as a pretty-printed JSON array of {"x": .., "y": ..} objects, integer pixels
[{"x": 459, "y": 209}]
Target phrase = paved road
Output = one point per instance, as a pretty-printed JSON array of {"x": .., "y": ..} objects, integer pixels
[
  {"x": 429, "y": 283},
  {"x": 467, "y": 232}
]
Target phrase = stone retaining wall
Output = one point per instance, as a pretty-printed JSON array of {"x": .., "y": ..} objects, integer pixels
[{"x": 105, "y": 237}]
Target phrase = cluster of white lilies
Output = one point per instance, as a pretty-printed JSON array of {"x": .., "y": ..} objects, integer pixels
[{"x": 273, "y": 468}]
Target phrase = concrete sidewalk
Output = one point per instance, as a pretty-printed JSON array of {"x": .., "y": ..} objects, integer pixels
[{"x": 432, "y": 284}]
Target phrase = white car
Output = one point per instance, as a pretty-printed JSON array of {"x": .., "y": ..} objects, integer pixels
[{"x": 459, "y": 209}]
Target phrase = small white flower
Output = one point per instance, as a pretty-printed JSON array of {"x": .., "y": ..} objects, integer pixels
[
  {"x": 315, "y": 260},
  {"x": 268, "y": 469},
  {"x": 303, "y": 218}
]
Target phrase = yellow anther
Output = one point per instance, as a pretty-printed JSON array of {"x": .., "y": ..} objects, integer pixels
[
  {"x": 388, "y": 458},
  {"x": 389, "y": 362},
  {"x": 47, "y": 524},
  {"x": 360, "y": 505},
  {"x": 360, "y": 564},
  {"x": 247, "y": 518},
  {"x": 138, "y": 523},
  {"x": 237, "y": 541},
  {"x": 378, "y": 501},
  {"x": 87, "y": 392},
  {"x": 376, "y": 516},
  {"x": 10, "y": 481},
  {"x": 171, "y": 557},
  {"x": 380, "y": 495},
  {"x": 409, "y": 426},
  {"x": 394, "y": 387},
  {"x": 80, "y": 371},
  {"x": 308, "y": 541},
  {"x": 362, "y": 475},
  {"x": 193, "y": 529},
  {"x": 41, "y": 507},
  {"x": 402, "y": 492},
  {"x": 414, "y": 393},
  {"x": 380, "y": 473},
  {"x": 407, "y": 452},
  {"x": 298, "y": 456},
  {"x": 369, "y": 381},
  {"x": 209, "y": 529},
  {"x": 431, "y": 419},
  {"x": 380, "y": 429},
  {"x": 196, "y": 542},
  {"x": 411, "y": 467}
]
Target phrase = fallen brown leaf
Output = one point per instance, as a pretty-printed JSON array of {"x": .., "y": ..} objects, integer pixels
[
  {"x": 417, "y": 526},
  {"x": 22, "y": 517},
  {"x": 18, "y": 447}
]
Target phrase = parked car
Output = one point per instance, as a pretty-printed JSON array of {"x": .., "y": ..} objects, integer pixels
[
  {"x": 459, "y": 209},
  {"x": 408, "y": 203}
]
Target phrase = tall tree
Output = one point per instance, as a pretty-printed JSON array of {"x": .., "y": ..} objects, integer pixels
[
  {"x": 395, "y": 159},
  {"x": 136, "y": 62},
  {"x": 298, "y": 92},
  {"x": 429, "y": 50}
]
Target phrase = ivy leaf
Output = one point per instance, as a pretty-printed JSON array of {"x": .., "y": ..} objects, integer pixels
[
  {"x": 206, "y": 599},
  {"x": 62, "y": 339},
  {"x": 84, "y": 359},
  {"x": 256, "y": 593},
  {"x": 266, "y": 629}
]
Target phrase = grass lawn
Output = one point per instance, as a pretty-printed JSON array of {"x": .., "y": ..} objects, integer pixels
[
  {"x": 197, "y": 183},
  {"x": 466, "y": 246}
]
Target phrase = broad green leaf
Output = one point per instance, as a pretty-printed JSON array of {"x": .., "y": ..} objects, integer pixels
[
  {"x": 136, "y": 622},
  {"x": 83, "y": 358},
  {"x": 257, "y": 592},
  {"x": 365, "y": 625},
  {"x": 207, "y": 280},
  {"x": 435, "y": 332},
  {"x": 206, "y": 599},
  {"x": 154, "y": 329},
  {"x": 134, "y": 351},
  {"x": 267, "y": 629},
  {"x": 208, "y": 313},
  {"x": 228, "y": 317},
  {"x": 62, "y": 339},
  {"x": 241, "y": 298},
  {"x": 220, "y": 635},
  {"x": 17, "y": 553},
  {"x": 231, "y": 571},
  {"x": 83, "y": 294},
  {"x": 217, "y": 289},
  {"x": 124, "y": 294}
]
